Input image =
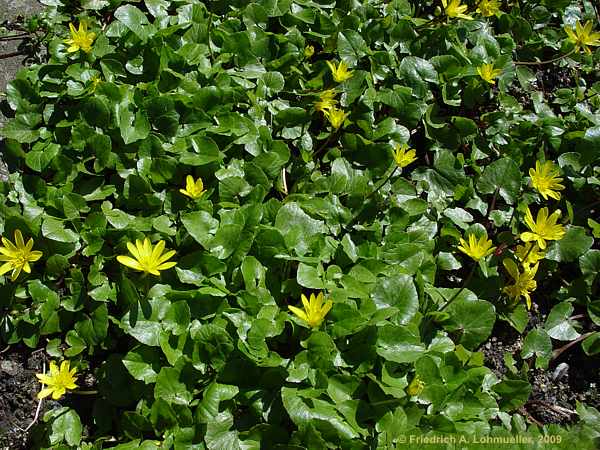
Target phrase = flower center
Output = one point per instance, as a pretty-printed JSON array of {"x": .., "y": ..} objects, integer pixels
[{"x": 20, "y": 259}]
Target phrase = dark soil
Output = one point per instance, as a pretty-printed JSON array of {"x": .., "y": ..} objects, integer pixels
[
  {"x": 18, "y": 389},
  {"x": 571, "y": 377}
]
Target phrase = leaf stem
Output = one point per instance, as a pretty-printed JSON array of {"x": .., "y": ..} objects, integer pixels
[
  {"x": 379, "y": 186},
  {"x": 462, "y": 288},
  {"x": 10, "y": 55},
  {"x": 90, "y": 392},
  {"x": 326, "y": 142},
  {"x": 541, "y": 63}
]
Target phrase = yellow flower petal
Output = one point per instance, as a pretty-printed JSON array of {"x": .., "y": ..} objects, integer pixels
[
  {"x": 44, "y": 393},
  {"x": 298, "y": 312},
  {"x": 129, "y": 262},
  {"x": 6, "y": 267}
]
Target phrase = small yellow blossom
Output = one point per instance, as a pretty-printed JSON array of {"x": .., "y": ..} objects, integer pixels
[
  {"x": 544, "y": 228},
  {"x": 455, "y": 10},
  {"x": 80, "y": 39},
  {"x": 309, "y": 50},
  {"x": 416, "y": 386},
  {"x": 314, "y": 310},
  {"x": 341, "y": 72},
  {"x": 193, "y": 189},
  {"x": 583, "y": 37},
  {"x": 545, "y": 179},
  {"x": 488, "y": 73},
  {"x": 326, "y": 101},
  {"x": 58, "y": 381},
  {"x": 95, "y": 81},
  {"x": 529, "y": 254},
  {"x": 147, "y": 258},
  {"x": 476, "y": 248},
  {"x": 336, "y": 117},
  {"x": 403, "y": 155},
  {"x": 17, "y": 256},
  {"x": 488, "y": 8},
  {"x": 524, "y": 282}
]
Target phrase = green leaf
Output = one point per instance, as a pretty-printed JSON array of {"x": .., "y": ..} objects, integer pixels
[
  {"x": 591, "y": 344},
  {"x": 417, "y": 72},
  {"x": 321, "y": 414},
  {"x": 177, "y": 318},
  {"x": 558, "y": 325},
  {"x": 472, "y": 320},
  {"x": 351, "y": 47},
  {"x": 143, "y": 363},
  {"x": 514, "y": 393},
  {"x": 169, "y": 387},
  {"x": 201, "y": 226},
  {"x": 135, "y": 20},
  {"x": 504, "y": 175},
  {"x": 273, "y": 81},
  {"x": 297, "y": 227},
  {"x": 213, "y": 395},
  {"x": 96, "y": 112},
  {"x": 310, "y": 277},
  {"x": 117, "y": 218},
  {"x": 55, "y": 229},
  {"x": 66, "y": 427},
  {"x": 400, "y": 344},
  {"x": 20, "y": 130},
  {"x": 537, "y": 343},
  {"x": 214, "y": 343},
  {"x": 397, "y": 292},
  {"x": 574, "y": 243},
  {"x": 227, "y": 239},
  {"x": 39, "y": 160}
]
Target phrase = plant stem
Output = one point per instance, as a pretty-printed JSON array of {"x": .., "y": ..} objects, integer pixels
[
  {"x": 556, "y": 353},
  {"x": 384, "y": 181},
  {"x": 90, "y": 392},
  {"x": 379, "y": 186},
  {"x": 10, "y": 55},
  {"x": 14, "y": 37},
  {"x": 465, "y": 282},
  {"x": 326, "y": 142},
  {"x": 493, "y": 204},
  {"x": 541, "y": 63}
]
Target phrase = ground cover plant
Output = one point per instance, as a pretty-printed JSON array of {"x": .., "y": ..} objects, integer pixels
[{"x": 304, "y": 224}]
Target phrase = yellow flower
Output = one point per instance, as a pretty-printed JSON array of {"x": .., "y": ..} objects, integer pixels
[
  {"x": 17, "y": 256},
  {"x": 524, "y": 282},
  {"x": 95, "y": 81},
  {"x": 544, "y": 228},
  {"x": 147, "y": 258},
  {"x": 476, "y": 248},
  {"x": 314, "y": 310},
  {"x": 545, "y": 180},
  {"x": 403, "y": 155},
  {"x": 416, "y": 386},
  {"x": 336, "y": 117},
  {"x": 583, "y": 37},
  {"x": 488, "y": 73},
  {"x": 340, "y": 73},
  {"x": 309, "y": 50},
  {"x": 326, "y": 101},
  {"x": 58, "y": 381},
  {"x": 488, "y": 8},
  {"x": 193, "y": 189},
  {"x": 528, "y": 255},
  {"x": 455, "y": 10},
  {"x": 80, "y": 39}
]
